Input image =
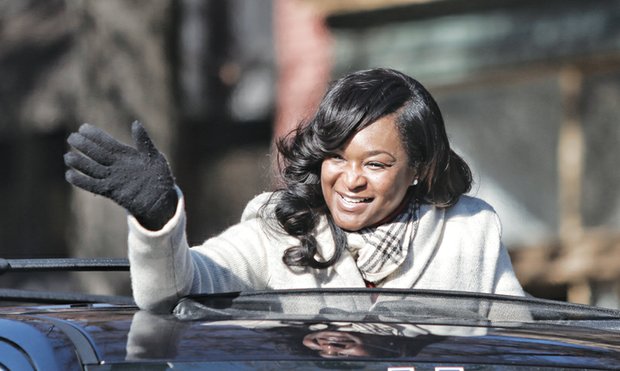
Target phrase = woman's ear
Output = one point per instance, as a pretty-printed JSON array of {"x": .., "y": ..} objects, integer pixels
[{"x": 415, "y": 176}]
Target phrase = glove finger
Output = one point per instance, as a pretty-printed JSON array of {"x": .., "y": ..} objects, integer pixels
[
  {"x": 86, "y": 165},
  {"x": 91, "y": 149},
  {"x": 85, "y": 182},
  {"x": 143, "y": 142},
  {"x": 102, "y": 138}
]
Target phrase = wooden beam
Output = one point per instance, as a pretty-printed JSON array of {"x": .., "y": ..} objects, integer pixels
[
  {"x": 570, "y": 155},
  {"x": 593, "y": 257}
]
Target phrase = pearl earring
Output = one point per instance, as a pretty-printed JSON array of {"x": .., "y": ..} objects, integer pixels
[{"x": 415, "y": 182}]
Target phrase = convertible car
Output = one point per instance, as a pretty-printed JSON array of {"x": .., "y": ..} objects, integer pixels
[{"x": 346, "y": 329}]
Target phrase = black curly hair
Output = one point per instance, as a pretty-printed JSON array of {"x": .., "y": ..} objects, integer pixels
[{"x": 350, "y": 104}]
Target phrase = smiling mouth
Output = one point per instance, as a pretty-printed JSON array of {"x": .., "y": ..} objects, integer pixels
[{"x": 354, "y": 201}]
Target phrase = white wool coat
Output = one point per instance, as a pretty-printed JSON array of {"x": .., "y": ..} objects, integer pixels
[{"x": 456, "y": 248}]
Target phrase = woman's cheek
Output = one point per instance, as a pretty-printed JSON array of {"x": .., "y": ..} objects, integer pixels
[
  {"x": 380, "y": 182},
  {"x": 329, "y": 172}
]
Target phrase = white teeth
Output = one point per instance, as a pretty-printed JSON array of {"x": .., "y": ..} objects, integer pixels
[{"x": 354, "y": 200}]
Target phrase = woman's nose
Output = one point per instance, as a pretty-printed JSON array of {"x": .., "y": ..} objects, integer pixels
[{"x": 354, "y": 178}]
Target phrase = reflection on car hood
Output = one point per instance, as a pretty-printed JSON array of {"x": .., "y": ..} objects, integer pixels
[{"x": 106, "y": 335}]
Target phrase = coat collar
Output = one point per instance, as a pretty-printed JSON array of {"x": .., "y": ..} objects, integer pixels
[{"x": 421, "y": 251}]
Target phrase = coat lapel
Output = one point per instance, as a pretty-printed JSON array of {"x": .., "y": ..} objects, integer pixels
[
  {"x": 425, "y": 244},
  {"x": 345, "y": 268}
]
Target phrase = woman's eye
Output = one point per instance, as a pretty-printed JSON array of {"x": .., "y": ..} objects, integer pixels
[
  {"x": 376, "y": 165},
  {"x": 334, "y": 156}
]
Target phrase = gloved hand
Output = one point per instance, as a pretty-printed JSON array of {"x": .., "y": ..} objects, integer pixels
[{"x": 139, "y": 179}]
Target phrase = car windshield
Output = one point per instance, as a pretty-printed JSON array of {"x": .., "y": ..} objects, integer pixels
[{"x": 392, "y": 305}]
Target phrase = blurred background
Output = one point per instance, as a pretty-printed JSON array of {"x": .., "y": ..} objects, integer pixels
[{"x": 530, "y": 92}]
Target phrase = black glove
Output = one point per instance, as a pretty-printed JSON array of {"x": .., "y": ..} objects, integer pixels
[{"x": 139, "y": 179}]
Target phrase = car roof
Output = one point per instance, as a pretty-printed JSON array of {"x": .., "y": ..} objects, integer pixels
[{"x": 413, "y": 327}]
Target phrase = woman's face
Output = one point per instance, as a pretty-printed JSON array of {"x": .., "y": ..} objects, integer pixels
[
  {"x": 334, "y": 344},
  {"x": 367, "y": 179}
]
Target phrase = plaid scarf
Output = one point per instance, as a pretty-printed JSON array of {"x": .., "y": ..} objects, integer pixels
[{"x": 379, "y": 251}]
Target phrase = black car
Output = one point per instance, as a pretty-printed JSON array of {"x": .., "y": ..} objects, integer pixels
[{"x": 345, "y": 329}]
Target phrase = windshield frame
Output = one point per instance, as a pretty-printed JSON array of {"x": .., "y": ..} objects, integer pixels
[{"x": 454, "y": 307}]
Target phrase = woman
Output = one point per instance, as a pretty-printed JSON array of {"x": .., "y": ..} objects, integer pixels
[{"x": 373, "y": 196}]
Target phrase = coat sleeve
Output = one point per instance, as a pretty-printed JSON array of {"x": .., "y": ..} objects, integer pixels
[
  {"x": 505, "y": 280},
  {"x": 164, "y": 268}
]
